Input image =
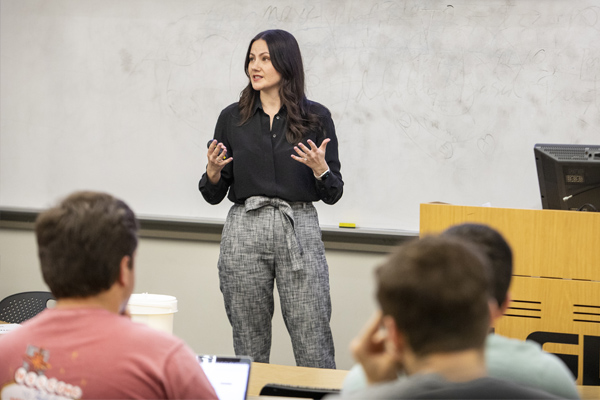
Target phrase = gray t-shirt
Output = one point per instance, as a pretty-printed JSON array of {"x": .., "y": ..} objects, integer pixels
[
  {"x": 510, "y": 359},
  {"x": 434, "y": 386}
]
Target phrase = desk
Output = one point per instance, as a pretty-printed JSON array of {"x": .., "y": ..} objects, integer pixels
[{"x": 261, "y": 374}]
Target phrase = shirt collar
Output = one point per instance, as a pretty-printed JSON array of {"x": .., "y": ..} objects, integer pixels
[{"x": 258, "y": 105}]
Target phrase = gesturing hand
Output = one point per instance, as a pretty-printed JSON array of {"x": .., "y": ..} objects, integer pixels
[
  {"x": 313, "y": 157},
  {"x": 217, "y": 159}
]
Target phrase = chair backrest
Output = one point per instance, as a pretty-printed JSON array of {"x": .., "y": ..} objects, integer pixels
[{"x": 20, "y": 307}]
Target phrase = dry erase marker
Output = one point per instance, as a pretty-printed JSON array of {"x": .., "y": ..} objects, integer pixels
[{"x": 347, "y": 225}]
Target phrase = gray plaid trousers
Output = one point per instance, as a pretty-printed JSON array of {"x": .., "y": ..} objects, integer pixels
[{"x": 268, "y": 240}]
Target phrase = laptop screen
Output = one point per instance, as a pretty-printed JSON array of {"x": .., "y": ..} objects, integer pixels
[{"x": 229, "y": 376}]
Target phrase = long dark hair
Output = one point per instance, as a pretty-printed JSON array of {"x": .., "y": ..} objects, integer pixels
[{"x": 287, "y": 60}]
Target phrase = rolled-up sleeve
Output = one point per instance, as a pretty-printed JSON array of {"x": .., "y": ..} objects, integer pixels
[
  {"x": 214, "y": 194},
  {"x": 331, "y": 189}
]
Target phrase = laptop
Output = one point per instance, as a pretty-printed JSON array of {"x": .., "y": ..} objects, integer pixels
[{"x": 229, "y": 375}]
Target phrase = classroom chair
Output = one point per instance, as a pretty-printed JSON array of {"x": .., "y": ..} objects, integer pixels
[{"x": 19, "y": 307}]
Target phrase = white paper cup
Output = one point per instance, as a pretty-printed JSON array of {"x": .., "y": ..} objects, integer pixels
[{"x": 154, "y": 310}]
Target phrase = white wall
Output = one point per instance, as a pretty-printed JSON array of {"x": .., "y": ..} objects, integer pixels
[{"x": 187, "y": 270}]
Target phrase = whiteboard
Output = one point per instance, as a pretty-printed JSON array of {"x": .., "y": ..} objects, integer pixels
[{"x": 432, "y": 100}]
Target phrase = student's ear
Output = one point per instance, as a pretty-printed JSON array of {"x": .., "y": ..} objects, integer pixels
[
  {"x": 395, "y": 338},
  {"x": 506, "y": 303},
  {"x": 497, "y": 311},
  {"x": 126, "y": 271}
]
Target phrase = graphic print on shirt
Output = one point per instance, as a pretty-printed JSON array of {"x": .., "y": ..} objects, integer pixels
[{"x": 31, "y": 382}]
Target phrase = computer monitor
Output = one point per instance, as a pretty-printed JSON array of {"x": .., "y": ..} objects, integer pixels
[{"x": 569, "y": 176}]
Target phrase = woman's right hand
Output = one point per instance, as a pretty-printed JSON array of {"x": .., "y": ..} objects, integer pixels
[{"x": 217, "y": 159}]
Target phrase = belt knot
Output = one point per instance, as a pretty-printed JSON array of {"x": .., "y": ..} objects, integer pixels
[{"x": 293, "y": 244}]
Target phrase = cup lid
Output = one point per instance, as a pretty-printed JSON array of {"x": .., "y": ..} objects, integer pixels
[{"x": 153, "y": 300}]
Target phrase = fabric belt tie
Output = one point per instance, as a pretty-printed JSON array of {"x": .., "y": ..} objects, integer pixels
[{"x": 293, "y": 244}]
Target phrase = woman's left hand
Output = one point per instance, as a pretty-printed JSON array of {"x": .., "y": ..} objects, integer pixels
[{"x": 313, "y": 157}]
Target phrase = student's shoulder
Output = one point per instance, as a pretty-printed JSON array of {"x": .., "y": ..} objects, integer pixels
[
  {"x": 137, "y": 329},
  {"x": 10, "y": 340},
  {"x": 525, "y": 348},
  {"x": 21, "y": 332},
  {"x": 525, "y": 361},
  {"x": 505, "y": 389}
]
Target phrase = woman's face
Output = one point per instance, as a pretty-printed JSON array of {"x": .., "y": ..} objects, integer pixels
[{"x": 263, "y": 75}]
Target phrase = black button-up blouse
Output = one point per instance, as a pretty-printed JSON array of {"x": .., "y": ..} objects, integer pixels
[{"x": 262, "y": 164}]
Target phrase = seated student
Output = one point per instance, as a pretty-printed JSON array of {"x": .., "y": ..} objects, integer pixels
[
  {"x": 85, "y": 347},
  {"x": 433, "y": 294},
  {"x": 516, "y": 360}
]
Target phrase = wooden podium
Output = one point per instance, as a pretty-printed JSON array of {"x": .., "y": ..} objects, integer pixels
[{"x": 556, "y": 278}]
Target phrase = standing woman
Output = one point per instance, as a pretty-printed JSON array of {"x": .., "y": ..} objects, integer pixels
[{"x": 276, "y": 152}]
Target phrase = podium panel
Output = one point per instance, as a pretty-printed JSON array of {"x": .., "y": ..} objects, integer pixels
[
  {"x": 555, "y": 291},
  {"x": 562, "y": 315},
  {"x": 545, "y": 243}
]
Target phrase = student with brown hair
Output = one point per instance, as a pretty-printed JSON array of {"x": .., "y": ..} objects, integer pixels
[
  {"x": 434, "y": 318},
  {"x": 86, "y": 347},
  {"x": 515, "y": 360}
]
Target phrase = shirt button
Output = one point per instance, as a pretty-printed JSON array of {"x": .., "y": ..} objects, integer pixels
[
  {"x": 277, "y": 116},
  {"x": 274, "y": 135}
]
